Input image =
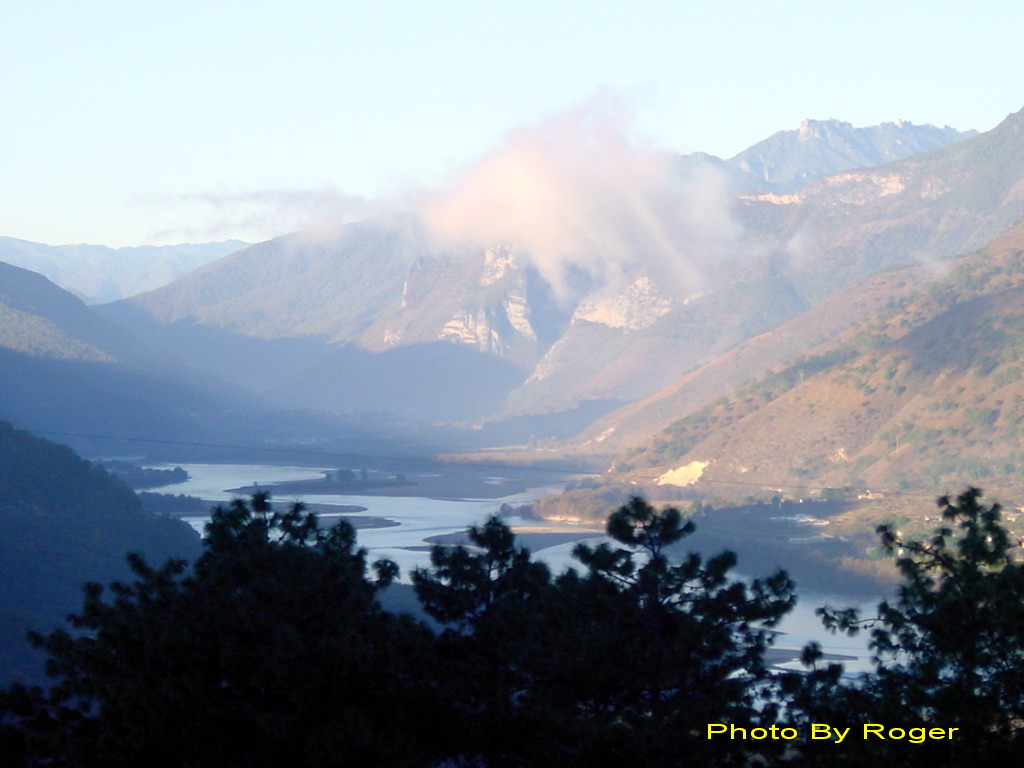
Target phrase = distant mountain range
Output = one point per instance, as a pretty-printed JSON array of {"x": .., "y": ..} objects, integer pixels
[
  {"x": 323, "y": 322},
  {"x": 99, "y": 274},
  {"x": 382, "y": 317}
]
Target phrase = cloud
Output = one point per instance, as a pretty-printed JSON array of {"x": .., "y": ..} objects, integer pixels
[
  {"x": 258, "y": 215},
  {"x": 577, "y": 194}
]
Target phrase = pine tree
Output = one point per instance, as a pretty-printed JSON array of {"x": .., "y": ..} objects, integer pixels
[
  {"x": 949, "y": 649},
  {"x": 628, "y": 662},
  {"x": 271, "y": 650}
]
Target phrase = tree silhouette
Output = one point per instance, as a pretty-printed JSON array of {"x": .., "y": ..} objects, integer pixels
[
  {"x": 949, "y": 649},
  {"x": 692, "y": 639},
  {"x": 271, "y": 651},
  {"x": 495, "y": 598},
  {"x": 627, "y": 662}
]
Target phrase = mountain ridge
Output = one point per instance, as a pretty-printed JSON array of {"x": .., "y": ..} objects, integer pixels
[
  {"x": 882, "y": 404},
  {"x": 789, "y": 160},
  {"x": 384, "y": 284},
  {"x": 99, "y": 274}
]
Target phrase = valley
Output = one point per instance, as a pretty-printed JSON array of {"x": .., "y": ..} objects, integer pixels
[
  {"x": 423, "y": 385},
  {"x": 838, "y": 331},
  {"x": 403, "y": 524}
]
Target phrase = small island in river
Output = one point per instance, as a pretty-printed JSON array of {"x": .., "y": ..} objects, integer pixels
[{"x": 338, "y": 481}]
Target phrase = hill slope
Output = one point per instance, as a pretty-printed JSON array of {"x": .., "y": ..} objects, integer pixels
[
  {"x": 926, "y": 392},
  {"x": 42, "y": 320},
  {"x": 65, "y": 368},
  {"x": 66, "y": 522},
  {"x": 633, "y": 423}
]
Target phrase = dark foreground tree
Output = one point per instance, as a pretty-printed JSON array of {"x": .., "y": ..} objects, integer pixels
[
  {"x": 496, "y": 601},
  {"x": 627, "y": 663},
  {"x": 692, "y": 641},
  {"x": 272, "y": 651},
  {"x": 949, "y": 650}
]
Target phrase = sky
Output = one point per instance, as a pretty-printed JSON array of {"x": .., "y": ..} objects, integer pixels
[{"x": 128, "y": 123}]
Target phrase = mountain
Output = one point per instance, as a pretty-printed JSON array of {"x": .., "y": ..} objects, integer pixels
[
  {"x": 694, "y": 165},
  {"x": 372, "y": 318},
  {"x": 359, "y": 319},
  {"x": 66, "y": 368},
  {"x": 788, "y": 160},
  {"x": 828, "y": 238},
  {"x": 379, "y": 319},
  {"x": 925, "y": 392},
  {"x": 633, "y": 423},
  {"x": 328, "y": 287},
  {"x": 66, "y": 522},
  {"x": 42, "y": 320},
  {"x": 797, "y": 250},
  {"x": 272, "y": 310},
  {"x": 844, "y": 227},
  {"x": 100, "y": 274}
]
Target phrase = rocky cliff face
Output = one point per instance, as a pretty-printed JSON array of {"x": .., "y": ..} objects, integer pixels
[
  {"x": 634, "y": 308},
  {"x": 386, "y": 291},
  {"x": 501, "y": 320},
  {"x": 491, "y": 301}
]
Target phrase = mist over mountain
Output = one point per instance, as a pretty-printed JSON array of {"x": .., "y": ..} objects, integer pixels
[
  {"x": 901, "y": 222},
  {"x": 571, "y": 266},
  {"x": 66, "y": 368},
  {"x": 100, "y": 274}
]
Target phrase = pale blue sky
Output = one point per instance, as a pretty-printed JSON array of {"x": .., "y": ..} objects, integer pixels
[{"x": 132, "y": 122}]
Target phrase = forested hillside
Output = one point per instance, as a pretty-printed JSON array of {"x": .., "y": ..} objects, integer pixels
[{"x": 65, "y": 522}]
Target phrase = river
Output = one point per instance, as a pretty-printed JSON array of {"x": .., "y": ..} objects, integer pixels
[{"x": 420, "y": 519}]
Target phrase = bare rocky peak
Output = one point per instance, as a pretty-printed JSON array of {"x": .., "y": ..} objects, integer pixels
[{"x": 790, "y": 159}]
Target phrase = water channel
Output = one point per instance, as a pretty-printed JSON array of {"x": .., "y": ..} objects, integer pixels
[{"x": 413, "y": 522}]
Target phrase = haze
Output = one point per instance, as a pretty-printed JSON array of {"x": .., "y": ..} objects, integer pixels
[{"x": 198, "y": 121}]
